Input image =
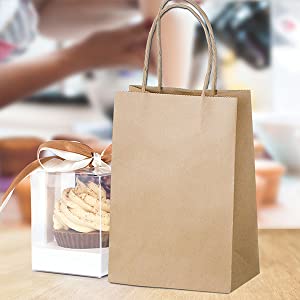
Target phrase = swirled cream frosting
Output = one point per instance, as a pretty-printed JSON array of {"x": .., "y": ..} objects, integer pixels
[{"x": 79, "y": 209}]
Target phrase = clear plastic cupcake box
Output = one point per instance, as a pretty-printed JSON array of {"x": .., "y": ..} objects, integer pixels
[{"x": 70, "y": 222}]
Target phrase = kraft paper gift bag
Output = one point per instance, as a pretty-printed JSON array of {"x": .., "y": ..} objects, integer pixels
[{"x": 183, "y": 183}]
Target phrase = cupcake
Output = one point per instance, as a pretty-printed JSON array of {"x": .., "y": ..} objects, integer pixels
[{"x": 76, "y": 219}]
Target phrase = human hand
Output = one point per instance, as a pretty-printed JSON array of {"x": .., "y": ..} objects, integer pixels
[{"x": 120, "y": 47}]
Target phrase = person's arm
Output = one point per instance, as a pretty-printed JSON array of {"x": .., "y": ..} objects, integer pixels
[
  {"x": 19, "y": 79},
  {"x": 73, "y": 19},
  {"x": 114, "y": 48}
]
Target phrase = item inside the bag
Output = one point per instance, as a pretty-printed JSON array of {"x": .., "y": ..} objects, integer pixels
[{"x": 79, "y": 216}]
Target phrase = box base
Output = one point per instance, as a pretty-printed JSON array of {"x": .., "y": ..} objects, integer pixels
[{"x": 84, "y": 262}]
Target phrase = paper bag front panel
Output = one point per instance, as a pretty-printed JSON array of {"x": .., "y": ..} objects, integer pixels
[{"x": 173, "y": 190}]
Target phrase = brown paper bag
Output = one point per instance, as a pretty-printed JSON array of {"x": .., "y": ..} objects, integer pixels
[{"x": 183, "y": 184}]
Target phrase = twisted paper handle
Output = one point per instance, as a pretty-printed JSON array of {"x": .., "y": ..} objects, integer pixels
[
  {"x": 199, "y": 14},
  {"x": 209, "y": 34},
  {"x": 68, "y": 156}
]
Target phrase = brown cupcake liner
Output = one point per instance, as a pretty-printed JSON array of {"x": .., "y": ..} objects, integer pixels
[{"x": 77, "y": 240}]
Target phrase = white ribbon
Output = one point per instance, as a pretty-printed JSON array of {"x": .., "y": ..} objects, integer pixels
[
  {"x": 100, "y": 166},
  {"x": 73, "y": 161}
]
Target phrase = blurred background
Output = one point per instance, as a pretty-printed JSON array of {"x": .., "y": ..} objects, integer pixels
[{"x": 258, "y": 46}]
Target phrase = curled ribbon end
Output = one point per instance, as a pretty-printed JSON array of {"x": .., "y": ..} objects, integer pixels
[{"x": 100, "y": 166}]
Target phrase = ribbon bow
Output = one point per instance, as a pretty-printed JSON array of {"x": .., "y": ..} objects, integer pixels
[{"x": 68, "y": 156}]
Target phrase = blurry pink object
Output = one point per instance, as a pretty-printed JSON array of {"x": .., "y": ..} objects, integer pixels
[
  {"x": 5, "y": 49},
  {"x": 270, "y": 172}
]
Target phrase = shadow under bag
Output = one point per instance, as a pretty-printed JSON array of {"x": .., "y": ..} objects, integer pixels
[{"x": 183, "y": 182}]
